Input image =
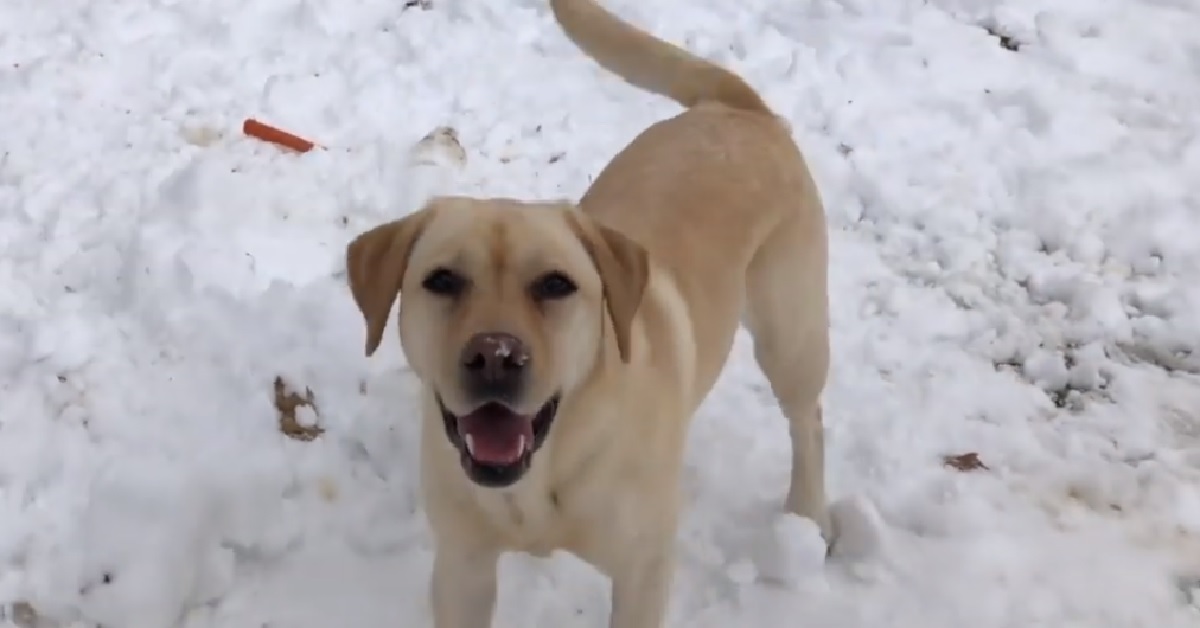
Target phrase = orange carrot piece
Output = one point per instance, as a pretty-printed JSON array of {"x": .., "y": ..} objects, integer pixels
[{"x": 274, "y": 135}]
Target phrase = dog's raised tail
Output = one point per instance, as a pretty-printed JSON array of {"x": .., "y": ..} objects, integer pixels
[{"x": 651, "y": 63}]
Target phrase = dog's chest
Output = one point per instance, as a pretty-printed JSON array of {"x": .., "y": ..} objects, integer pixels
[{"x": 529, "y": 521}]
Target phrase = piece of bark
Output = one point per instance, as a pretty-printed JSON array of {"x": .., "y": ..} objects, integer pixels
[
  {"x": 964, "y": 462},
  {"x": 288, "y": 402}
]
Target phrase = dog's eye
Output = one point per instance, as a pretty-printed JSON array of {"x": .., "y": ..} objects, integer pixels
[
  {"x": 444, "y": 282},
  {"x": 552, "y": 285}
]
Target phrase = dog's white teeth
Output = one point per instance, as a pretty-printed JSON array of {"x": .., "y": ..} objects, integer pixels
[
  {"x": 521, "y": 444},
  {"x": 470, "y": 441}
]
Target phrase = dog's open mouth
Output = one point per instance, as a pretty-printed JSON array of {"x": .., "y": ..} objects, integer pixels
[{"x": 496, "y": 445}]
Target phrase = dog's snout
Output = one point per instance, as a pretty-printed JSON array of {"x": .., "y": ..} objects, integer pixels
[
  {"x": 494, "y": 364},
  {"x": 495, "y": 355}
]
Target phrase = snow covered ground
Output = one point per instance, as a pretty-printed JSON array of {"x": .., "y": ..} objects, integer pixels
[{"x": 1014, "y": 193}]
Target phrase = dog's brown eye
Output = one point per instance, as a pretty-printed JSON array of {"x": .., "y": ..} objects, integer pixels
[
  {"x": 552, "y": 285},
  {"x": 444, "y": 282}
]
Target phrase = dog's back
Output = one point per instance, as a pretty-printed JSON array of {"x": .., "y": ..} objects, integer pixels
[{"x": 721, "y": 197}]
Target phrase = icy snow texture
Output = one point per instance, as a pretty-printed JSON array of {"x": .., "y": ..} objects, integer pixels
[{"x": 1016, "y": 272}]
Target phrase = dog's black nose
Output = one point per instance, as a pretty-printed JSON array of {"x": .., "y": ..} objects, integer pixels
[{"x": 494, "y": 365}]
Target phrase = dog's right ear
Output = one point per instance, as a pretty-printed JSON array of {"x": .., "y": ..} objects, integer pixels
[{"x": 375, "y": 265}]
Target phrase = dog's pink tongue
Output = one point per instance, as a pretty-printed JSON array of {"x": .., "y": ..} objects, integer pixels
[{"x": 496, "y": 437}]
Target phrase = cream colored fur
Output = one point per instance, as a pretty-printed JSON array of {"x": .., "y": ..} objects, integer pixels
[{"x": 706, "y": 219}]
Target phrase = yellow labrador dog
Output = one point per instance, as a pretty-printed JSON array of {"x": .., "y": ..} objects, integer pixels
[{"x": 564, "y": 348}]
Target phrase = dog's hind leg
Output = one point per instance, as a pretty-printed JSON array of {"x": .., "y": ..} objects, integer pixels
[{"x": 787, "y": 313}]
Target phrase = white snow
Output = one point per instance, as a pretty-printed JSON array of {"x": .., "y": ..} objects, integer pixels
[{"x": 1016, "y": 273}]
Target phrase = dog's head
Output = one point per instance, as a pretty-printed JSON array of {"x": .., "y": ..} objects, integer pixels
[{"x": 504, "y": 311}]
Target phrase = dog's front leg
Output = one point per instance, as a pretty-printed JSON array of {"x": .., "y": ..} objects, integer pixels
[
  {"x": 641, "y": 588},
  {"x": 463, "y": 589}
]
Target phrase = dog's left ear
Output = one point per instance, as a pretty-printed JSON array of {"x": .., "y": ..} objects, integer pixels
[
  {"x": 375, "y": 265},
  {"x": 624, "y": 270}
]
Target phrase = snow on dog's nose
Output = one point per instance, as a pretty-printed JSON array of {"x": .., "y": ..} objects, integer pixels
[{"x": 494, "y": 367}]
